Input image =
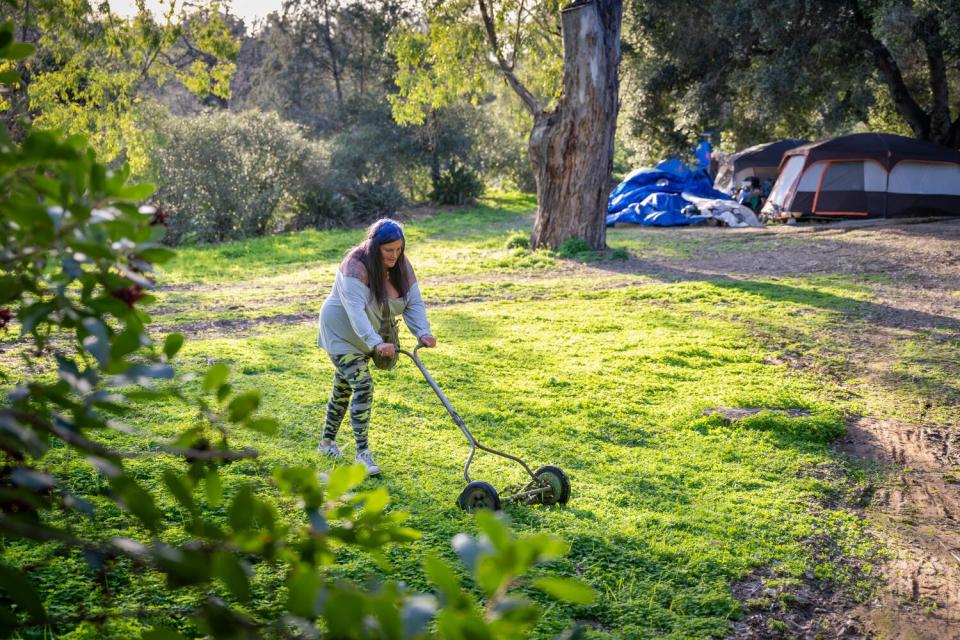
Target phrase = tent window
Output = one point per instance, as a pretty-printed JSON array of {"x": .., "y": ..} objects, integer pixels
[
  {"x": 843, "y": 176},
  {"x": 925, "y": 178},
  {"x": 786, "y": 180},
  {"x": 874, "y": 177},
  {"x": 811, "y": 177}
]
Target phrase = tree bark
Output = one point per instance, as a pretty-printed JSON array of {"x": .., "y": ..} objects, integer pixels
[
  {"x": 571, "y": 148},
  {"x": 332, "y": 52},
  {"x": 903, "y": 101},
  {"x": 928, "y": 30}
]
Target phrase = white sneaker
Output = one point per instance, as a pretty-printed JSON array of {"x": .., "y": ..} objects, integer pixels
[
  {"x": 366, "y": 459},
  {"x": 331, "y": 450}
]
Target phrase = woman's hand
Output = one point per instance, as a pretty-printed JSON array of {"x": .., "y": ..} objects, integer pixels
[
  {"x": 386, "y": 349},
  {"x": 428, "y": 341}
]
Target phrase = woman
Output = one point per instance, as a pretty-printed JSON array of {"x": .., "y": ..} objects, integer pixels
[{"x": 373, "y": 278}]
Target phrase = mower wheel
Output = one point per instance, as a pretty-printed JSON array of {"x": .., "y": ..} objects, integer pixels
[
  {"x": 479, "y": 495},
  {"x": 559, "y": 485}
]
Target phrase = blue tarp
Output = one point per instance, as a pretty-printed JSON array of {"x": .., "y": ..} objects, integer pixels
[{"x": 652, "y": 196}]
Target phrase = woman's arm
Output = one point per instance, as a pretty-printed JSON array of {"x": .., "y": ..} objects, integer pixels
[
  {"x": 354, "y": 295},
  {"x": 415, "y": 313}
]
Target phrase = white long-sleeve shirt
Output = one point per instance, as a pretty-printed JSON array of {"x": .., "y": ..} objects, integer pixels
[{"x": 350, "y": 314}]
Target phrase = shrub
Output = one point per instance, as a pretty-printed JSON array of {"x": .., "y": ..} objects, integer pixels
[
  {"x": 320, "y": 209},
  {"x": 518, "y": 240},
  {"x": 458, "y": 185},
  {"x": 369, "y": 200},
  {"x": 573, "y": 248},
  {"x": 225, "y": 176}
]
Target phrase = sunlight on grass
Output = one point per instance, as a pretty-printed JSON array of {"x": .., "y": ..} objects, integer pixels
[{"x": 605, "y": 373}]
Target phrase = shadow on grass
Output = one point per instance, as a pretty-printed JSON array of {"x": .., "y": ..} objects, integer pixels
[{"x": 882, "y": 314}]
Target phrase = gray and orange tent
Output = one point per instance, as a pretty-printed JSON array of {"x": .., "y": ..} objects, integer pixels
[
  {"x": 867, "y": 175},
  {"x": 762, "y": 161}
]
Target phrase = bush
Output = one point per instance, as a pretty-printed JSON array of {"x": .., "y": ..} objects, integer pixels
[
  {"x": 573, "y": 248},
  {"x": 225, "y": 176},
  {"x": 321, "y": 209},
  {"x": 458, "y": 185},
  {"x": 370, "y": 200},
  {"x": 518, "y": 240}
]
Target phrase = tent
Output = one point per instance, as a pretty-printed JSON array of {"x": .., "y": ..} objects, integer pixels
[
  {"x": 761, "y": 160},
  {"x": 867, "y": 175}
]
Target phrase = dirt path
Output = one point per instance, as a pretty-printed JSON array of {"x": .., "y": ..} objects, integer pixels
[{"x": 918, "y": 516}]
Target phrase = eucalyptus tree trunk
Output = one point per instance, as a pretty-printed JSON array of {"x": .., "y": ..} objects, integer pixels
[{"x": 571, "y": 147}]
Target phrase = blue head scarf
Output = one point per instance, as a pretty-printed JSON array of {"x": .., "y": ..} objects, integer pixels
[{"x": 388, "y": 231}]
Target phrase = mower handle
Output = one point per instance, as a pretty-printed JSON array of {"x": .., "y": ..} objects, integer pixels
[{"x": 474, "y": 445}]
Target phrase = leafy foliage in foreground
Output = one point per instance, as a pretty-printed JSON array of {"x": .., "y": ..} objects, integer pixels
[{"x": 77, "y": 263}]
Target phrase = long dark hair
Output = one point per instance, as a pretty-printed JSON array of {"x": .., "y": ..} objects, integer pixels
[{"x": 381, "y": 232}]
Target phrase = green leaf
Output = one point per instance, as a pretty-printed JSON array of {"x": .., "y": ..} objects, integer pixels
[
  {"x": 216, "y": 376},
  {"x": 162, "y": 634},
  {"x": 303, "y": 589},
  {"x": 442, "y": 576},
  {"x": 243, "y": 405},
  {"x": 138, "y": 501},
  {"x": 229, "y": 569},
  {"x": 213, "y": 487},
  {"x": 125, "y": 343},
  {"x": 135, "y": 192},
  {"x": 157, "y": 255},
  {"x": 376, "y": 501},
  {"x": 181, "y": 488},
  {"x": 345, "y": 478},
  {"x": 32, "y": 316},
  {"x": 19, "y": 589},
  {"x": 493, "y": 526},
  {"x": 491, "y": 571},
  {"x": 10, "y": 288},
  {"x": 97, "y": 342},
  {"x": 224, "y": 391},
  {"x": 9, "y": 77},
  {"x": 241, "y": 510},
  {"x": 172, "y": 344},
  {"x": 566, "y": 589},
  {"x": 344, "y": 613},
  {"x": 18, "y": 51},
  {"x": 263, "y": 425}
]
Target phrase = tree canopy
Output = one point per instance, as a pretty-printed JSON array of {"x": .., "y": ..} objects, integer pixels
[
  {"x": 763, "y": 70},
  {"x": 93, "y": 68}
]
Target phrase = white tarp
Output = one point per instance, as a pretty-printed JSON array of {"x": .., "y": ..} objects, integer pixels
[{"x": 728, "y": 212}]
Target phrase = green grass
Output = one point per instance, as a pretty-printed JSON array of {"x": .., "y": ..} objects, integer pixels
[{"x": 602, "y": 373}]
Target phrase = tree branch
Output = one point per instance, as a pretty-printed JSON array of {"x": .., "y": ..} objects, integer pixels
[
  {"x": 928, "y": 30},
  {"x": 529, "y": 101},
  {"x": 913, "y": 113},
  {"x": 516, "y": 37}
]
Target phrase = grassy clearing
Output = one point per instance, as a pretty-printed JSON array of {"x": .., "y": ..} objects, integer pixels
[{"x": 603, "y": 373}]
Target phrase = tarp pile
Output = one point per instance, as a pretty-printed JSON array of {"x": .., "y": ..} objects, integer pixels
[{"x": 672, "y": 194}]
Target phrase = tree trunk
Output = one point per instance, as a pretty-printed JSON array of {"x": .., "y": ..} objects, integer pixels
[{"x": 571, "y": 148}]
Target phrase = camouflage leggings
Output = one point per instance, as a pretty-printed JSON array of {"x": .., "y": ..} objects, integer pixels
[{"x": 351, "y": 376}]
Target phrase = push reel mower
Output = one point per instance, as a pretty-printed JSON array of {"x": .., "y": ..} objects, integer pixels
[{"x": 547, "y": 485}]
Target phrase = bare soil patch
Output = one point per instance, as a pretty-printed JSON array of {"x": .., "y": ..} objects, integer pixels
[{"x": 917, "y": 515}]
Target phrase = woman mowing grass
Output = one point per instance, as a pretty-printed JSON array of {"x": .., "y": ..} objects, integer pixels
[{"x": 374, "y": 283}]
